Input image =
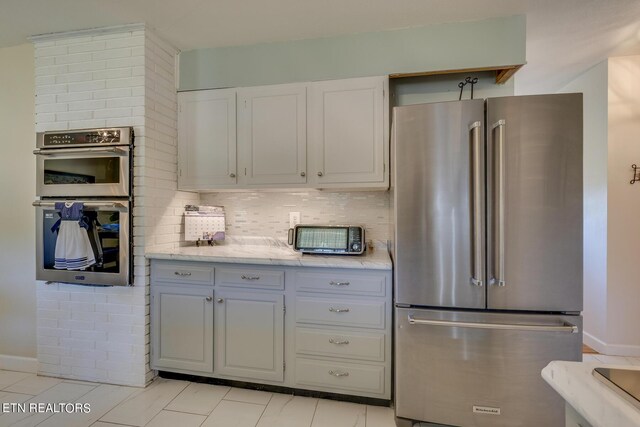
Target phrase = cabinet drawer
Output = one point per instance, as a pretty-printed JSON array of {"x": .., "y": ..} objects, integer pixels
[
  {"x": 342, "y": 376},
  {"x": 341, "y": 312},
  {"x": 349, "y": 344},
  {"x": 182, "y": 273},
  {"x": 250, "y": 278},
  {"x": 341, "y": 282}
]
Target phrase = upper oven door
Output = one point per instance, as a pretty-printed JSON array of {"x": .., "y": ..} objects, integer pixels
[{"x": 83, "y": 171}]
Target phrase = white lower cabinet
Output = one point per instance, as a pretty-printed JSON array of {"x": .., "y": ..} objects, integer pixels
[
  {"x": 250, "y": 335},
  {"x": 286, "y": 326},
  {"x": 182, "y": 328}
]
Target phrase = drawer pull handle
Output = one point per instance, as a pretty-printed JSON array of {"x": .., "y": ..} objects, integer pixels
[
  {"x": 339, "y": 310},
  {"x": 250, "y": 277},
  {"x": 332, "y": 341},
  {"x": 339, "y": 374},
  {"x": 334, "y": 283},
  {"x": 182, "y": 273}
]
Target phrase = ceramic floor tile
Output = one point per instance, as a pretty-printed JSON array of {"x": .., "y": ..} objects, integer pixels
[
  {"x": 286, "y": 410},
  {"x": 145, "y": 404},
  {"x": 234, "y": 414},
  {"x": 59, "y": 393},
  {"x": 176, "y": 419},
  {"x": 8, "y": 378},
  {"x": 198, "y": 398},
  {"x": 380, "y": 416},
  {"x": 330, "y": 413},
  {"x": 33, "y": 385},
  {"x": 101, "y": 400},
  {"x": 103, "y": 424},
  {"x": 6, "y": 397},
  {"x": 248, "y": 396}
]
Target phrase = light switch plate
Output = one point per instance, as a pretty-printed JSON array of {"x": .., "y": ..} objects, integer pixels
[{"x": 294, "y": 219}]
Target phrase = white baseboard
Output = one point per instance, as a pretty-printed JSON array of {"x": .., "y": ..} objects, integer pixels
[
  {"x": 17, "y": 363},
  {"x": 610, "y": 349}
]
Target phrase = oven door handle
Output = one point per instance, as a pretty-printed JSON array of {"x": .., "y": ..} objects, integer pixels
[
  {"x": 65, "y": 151},
  {"x": 97, "y": 205}
]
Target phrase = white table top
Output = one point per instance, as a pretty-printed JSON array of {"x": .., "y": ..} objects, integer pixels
[
  {"x": 273, "y": 252},
  {"x": 595, "y": 401}
]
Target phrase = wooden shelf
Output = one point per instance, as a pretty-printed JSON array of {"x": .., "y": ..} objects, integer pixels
[{"x": 503, "y": 72}]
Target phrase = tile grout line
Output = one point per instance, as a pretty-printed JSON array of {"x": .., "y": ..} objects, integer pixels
[{"x": 315, "y": 409}]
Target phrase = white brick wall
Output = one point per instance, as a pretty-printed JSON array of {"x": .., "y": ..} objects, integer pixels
[{"x": 114, "y": 78}]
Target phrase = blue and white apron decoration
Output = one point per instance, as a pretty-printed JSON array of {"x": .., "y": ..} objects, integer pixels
[{"x": 73, "y": 248}]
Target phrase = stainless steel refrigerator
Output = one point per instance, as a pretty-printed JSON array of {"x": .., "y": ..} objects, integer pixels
[{"x": 487, "y": 199}]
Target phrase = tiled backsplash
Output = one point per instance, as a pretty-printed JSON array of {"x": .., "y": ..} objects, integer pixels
[{"x": 267, "y": 213}]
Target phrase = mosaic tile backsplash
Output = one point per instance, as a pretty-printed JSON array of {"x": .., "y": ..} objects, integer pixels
[{"x": 267, "y": 214}]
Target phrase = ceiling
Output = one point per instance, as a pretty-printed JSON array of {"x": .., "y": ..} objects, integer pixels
[{"x": 564, "y": 37}]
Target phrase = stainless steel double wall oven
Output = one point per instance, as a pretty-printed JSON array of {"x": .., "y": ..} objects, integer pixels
[{"x": 92, "y": 167}]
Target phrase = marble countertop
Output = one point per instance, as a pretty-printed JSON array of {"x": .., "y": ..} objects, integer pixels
[
  {"x": 273, "y": 252},
  {"x": 596, "y": 402}
]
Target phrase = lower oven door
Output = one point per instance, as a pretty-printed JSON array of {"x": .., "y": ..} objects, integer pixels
[{"x": 108, "y": 233}]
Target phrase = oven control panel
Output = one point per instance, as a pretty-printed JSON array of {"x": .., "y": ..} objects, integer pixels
[{"x": 85, "y": 138}]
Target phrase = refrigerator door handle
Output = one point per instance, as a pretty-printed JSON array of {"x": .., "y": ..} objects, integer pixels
[
  {"x": 498, "y": 204},
  {"x": 477, "y": 258},
  {"x": 565, "y": 327}
]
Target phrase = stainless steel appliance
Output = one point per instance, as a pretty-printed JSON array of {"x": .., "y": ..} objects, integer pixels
[
  {"x": 109, "y": 235},
  {"x": 93, "y": 167},
  {"x": 487, "y": 256},
  {"x": 328, "y": 239},
  {"x": 84, "y": 163}
]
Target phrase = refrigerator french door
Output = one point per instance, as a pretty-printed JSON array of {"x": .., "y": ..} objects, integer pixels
[{"x": 487, "y": 257}]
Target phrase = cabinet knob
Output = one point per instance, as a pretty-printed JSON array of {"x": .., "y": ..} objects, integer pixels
[
  {"x": 303, "y": 174},
  {"x": 208, "y": 299},
  {"x": 220, "y": 300},
  {"x": 232, "y": 175},
  {"x": 320, "y": 173}
]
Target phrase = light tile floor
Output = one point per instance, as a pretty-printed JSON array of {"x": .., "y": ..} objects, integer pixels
[{"x": 172, "y": 403}]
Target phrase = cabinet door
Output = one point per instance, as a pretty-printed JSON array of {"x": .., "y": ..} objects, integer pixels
[
  {"x": 349, "y": 128},
  {"x": 249, "y": 335},
  {"x": 182, "y": 328},
  {"x": 207, "y": 139},
  {"x": 272, "y": 132}
]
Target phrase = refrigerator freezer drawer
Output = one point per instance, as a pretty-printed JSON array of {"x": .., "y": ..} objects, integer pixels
[{"x": 481, "y": 369}]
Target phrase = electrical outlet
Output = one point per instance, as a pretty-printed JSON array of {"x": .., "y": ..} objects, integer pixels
[{"x": 294, "y": 219}]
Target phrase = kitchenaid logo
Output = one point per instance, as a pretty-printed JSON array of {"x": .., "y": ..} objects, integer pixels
[{"x": 486, "y": 410}]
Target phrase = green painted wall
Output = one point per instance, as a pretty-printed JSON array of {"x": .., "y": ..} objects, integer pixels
[{"x": 491, "y": 42}]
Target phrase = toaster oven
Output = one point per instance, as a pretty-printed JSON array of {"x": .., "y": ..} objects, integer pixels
[{"x": 328, "y": 239}]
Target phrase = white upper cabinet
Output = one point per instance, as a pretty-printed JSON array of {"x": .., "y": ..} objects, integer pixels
[
  {"x": 328, "y": 134},
  {"x": 349, "y": 132},
  {"x": 207, "y": 139},
  {"x": 272, "y": 134}
]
